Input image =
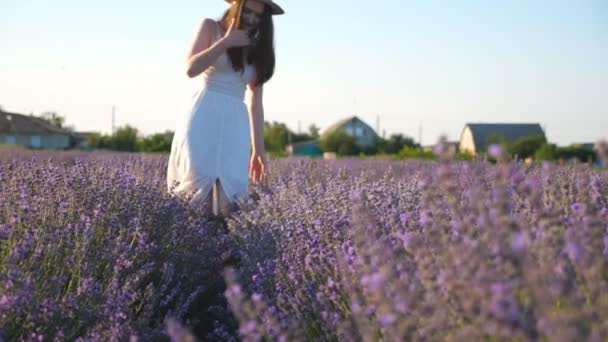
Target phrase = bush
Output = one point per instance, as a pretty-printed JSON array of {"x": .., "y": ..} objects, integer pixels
[
  {"x": 395, "y": 143},
  {"x": 414, "y": 153},
  {"x": 340, "y": 142},
  {"x": 576, "y": 152},
  {"x": 546, "y": 152}
]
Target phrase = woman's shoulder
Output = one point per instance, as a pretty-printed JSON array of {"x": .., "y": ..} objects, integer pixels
[{"x": 208, "y": 25}]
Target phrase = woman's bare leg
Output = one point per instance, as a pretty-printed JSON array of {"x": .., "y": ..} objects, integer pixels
[{"x": 222, "y": 205}]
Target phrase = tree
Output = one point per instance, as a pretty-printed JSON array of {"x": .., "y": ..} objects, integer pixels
[
  {"x": 523, "y": 147},
  {"x": 576, "y": 152},
  {"x": 276, "y": 136},
  {"x": 340, "y": 142},
  {"x": 395, "y": 143},
  {"x": 313, "y": 131},
  {"x": 53, "y": 118},
  {"x": 97, "y": 140},
  {"x": 159, "y": 142},
  {"x": 408, "y": 152},
  {"x": 546, "y": 152},
  {"x": 526, "y": 147},
  {"x": 125, "y": 139}
]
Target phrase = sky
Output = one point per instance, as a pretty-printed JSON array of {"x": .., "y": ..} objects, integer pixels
[{"x": 421, "y": 68}]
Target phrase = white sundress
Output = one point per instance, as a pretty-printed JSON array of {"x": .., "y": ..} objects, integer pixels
[{"x": 212, "y": 138}]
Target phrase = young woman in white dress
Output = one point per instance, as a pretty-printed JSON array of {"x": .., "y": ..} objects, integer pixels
[{"x": 219, "y": 142}]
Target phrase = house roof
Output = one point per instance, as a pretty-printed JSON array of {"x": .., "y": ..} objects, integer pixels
[
  {"x": 512, "y": 131},
  {"x": 340, "y": 123},
  {"x": 13, "y": 123}
]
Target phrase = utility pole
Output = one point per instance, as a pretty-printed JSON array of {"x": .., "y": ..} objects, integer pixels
[
  {"x": 113, "y": 118},
  {"x": 378, "y": 124},
  {"x": 420, "y": 134}
]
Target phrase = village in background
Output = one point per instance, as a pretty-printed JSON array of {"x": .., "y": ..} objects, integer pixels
[{"x": 348, "y": 137}]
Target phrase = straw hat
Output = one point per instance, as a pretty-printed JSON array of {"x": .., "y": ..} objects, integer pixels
[{"x": 274, "y": 8}]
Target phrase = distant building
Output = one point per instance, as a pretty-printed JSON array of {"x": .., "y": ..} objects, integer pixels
[
  {"x": 363, "y": 133},
  {"x": 32, "y": 132},
  {"x": 310, "y": 148},
  {"x": 80, "y": 139},
  {"x": 476, "y": 137}
]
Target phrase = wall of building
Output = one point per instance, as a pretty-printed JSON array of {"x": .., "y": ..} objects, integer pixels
[
  {"x": 50, "y": 141},
  {"x": 466, "y": 141}
]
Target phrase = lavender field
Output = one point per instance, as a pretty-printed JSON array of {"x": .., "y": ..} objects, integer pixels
[{"x": 92, "y": 247}]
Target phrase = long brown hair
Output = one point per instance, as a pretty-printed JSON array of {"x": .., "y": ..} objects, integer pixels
[{"x": 262, "y": 53}]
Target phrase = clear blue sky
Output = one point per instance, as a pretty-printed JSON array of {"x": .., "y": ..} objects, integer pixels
[{"x": 433, "y": 63}]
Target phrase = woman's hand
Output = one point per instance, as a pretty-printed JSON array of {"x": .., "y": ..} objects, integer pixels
[
  {"x": 235, "y": 37},
  {"x": 257, "y": 167}
]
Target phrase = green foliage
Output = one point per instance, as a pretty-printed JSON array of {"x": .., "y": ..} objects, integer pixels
[
  {"x": 276, "y": 136},
  {"x": 526, "y": 147},
  {"x": 466, "y": 155},
  {"x": 538, "y": 148},
  {"x": 159, "y": 142},
  {"x": 127, "y": 139},
  {"x": 546, "y": 152},
  {"x": 313, "y": 131},
  {"x": 100, "y": 141},
  {"x": 53, "y": 118},
  {"x": 523, "y": 147},
  {"x": 576, "y": 152},
  {"x": 341, "y": 143},
  {"x": 395, "y": 143},
  {"x": 408, "y": 152}
]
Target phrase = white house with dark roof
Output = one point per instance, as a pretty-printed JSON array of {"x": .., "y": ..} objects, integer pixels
[
  {"x": 30, "y": 131},
  {"x": 476, "y": 137}
]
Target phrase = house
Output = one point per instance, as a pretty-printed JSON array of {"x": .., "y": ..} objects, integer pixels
[
  {"x": 476, "y": 137},
  {"x": 309, "y": 148},
  {"x": 30, "y": 131},
  {"x": 353, "y": 126},
  {"x": 79, "y": 139}
]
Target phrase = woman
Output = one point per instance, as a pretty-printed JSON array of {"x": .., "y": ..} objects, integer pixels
[{"x": 219, "y": 143}]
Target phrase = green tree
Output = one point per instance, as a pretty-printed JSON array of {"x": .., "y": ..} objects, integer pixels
[
  {"x": 53, "y": 118},
  {"x": 125, "y": 139},
  {"x": 526, "y": 147},
  {"x": 341, "y": 143},
  {"x": 408, "y": 152},
  {"x": 97, "y": 140},
  {"x": 395, "y": 143},
  {"x": 576, "y": 152},
  {"x": 313, "y": 131},
  {"x": 546, "y": 152},
  {"x": 276, "y": 136},
  {"x": 159, "y": 142}
]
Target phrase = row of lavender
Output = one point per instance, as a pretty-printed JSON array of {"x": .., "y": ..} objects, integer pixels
[
  {"x": 331, "y": 250},
  {"x": 93, "y": 247},
  {"x": 426, "y": 251}
]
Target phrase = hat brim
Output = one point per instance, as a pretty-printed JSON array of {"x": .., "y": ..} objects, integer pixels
[{"x": 274, "y": 8}]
